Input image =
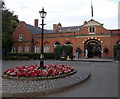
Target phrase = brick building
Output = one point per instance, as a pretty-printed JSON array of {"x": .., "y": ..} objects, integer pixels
[{"x": 91, "y": 36}]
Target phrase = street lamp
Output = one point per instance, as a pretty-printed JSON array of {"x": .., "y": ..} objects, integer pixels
[{"x": 42, "y": 15}]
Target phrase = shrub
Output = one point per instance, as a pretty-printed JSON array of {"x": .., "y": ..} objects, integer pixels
[
  {"x": 116, "y": 48},
  {"x": 58, "y": 51},
  {"x": 49, "y": 56},
  {"x": 26, "y": 56}
]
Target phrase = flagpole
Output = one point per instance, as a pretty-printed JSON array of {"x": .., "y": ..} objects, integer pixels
[{"x": 91, "y": 9}]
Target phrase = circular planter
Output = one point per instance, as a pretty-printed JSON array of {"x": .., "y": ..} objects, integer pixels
[
  {"x": 33, "y": 72},
  {"x": 38, "y": 78}
]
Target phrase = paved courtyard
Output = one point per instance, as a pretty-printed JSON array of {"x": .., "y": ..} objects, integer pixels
[{"x": 102, "y": 83}]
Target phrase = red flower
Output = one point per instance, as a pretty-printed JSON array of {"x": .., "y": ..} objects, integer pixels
[{"x": 34, "y": 71}]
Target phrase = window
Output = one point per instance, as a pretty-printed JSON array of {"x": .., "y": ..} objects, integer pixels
[
  {"x": 26, "y": 48},
  {"x": 68, "y": 29},
  {"x": 118, "y": 42},
  {"x": 56, "y": 43},
  {"x": 60, "y": 30},
  {"x": 13, "y": 50},
  {"x": 20, "y": 49},
  {"x": 47, "y": 49},
  {"x": 68, "y": 43},
  {"x": 21, "y": 37},
  {"x": 37, "y": 49},
  {"x": 91, "y": 29}
]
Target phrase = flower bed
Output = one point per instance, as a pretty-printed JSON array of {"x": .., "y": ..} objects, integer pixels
[{"x": 34, "y": 72}]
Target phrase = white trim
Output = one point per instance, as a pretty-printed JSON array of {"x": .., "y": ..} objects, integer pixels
[
  {"x": 46, "y": 48},
  {"x": 26, "y": 48},
  {"x": 13, "y": 50},
  {"x": 91, "y": 30},
  {"x": 37, "y": 49},
  {"x": 20, "y": 49}
]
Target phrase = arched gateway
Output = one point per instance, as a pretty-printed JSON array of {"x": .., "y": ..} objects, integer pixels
[{"x": 93, "y": 47}]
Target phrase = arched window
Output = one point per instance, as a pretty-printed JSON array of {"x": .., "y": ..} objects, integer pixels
[
  {"x": 68, "y": 43},
  {"x": 13, "y": 49},
  {"x": 118, "y": 42},
  {"x": 56, "y": 43}
]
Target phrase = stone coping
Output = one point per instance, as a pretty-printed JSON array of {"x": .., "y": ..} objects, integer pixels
[{"x": 38, "y": 78}]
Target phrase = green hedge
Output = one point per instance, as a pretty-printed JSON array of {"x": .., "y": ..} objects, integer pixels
[
  {"x": 27, "y": 56},
  {"x": 116, "y": 48}
]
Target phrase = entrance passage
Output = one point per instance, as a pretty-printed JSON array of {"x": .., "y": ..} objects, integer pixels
[{"x": 93, "y": 48}]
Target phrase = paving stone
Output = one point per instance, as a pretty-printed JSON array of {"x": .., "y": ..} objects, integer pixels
[{"x": 18, "y": 88}]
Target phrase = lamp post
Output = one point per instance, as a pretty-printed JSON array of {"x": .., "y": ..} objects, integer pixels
[{"x": 42, "y": 15}]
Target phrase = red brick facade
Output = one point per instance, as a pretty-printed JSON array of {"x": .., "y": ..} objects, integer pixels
[{"x": 91, "y": 36}]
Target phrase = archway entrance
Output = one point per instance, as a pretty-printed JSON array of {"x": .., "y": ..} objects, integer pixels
[{"x": 93, "y": 47}]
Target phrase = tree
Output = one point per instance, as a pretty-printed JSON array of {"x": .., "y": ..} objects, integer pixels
[
  {"x": 116, "y": 50},
  {"x": 9, "y": 23},
  {"x": 58, "y": 51}
]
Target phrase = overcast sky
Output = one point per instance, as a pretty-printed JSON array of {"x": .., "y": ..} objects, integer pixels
[{"x": 67, "y": 12}]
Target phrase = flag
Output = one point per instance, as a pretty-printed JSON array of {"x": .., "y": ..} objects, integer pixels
[{"x": 91, "y": 9}]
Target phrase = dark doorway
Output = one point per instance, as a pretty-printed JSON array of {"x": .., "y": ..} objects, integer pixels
[{"x": 94, "y": 48}]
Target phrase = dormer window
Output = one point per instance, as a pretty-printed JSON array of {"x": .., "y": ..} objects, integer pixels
[
  {"x": 91, "y": 29},
  {"x": 21, "y": 37},
  {"x": 69, "y": 30},
  {"x": 60, "y": 30}
]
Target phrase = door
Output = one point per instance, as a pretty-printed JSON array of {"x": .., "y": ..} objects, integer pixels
[{"x": 94, "y": 48}]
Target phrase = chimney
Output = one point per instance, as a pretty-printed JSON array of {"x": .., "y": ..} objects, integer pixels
[
  {"x": 36, "y": 22},
  {"x": 55, "y": 26}
]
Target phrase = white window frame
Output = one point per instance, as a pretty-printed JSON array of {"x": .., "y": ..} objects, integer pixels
[
  {"x": 37, "y": 49},
  {"x": 46, "y": 48},
  {"x": 92, "y": 29},
  {"x": 20, "y": 49},
  {"x": 27, "y": 48},
  {"x": 13, "y": 50},
  {"x": 21, "y": 37}
]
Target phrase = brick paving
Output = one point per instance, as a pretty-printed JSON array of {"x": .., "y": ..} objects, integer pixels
[{"x": 14, "y": 88}]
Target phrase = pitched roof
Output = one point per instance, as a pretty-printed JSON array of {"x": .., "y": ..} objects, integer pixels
[
  {"x": 92, "y": 22},
  {"x": 37, "y": 30},
  {"x": 69, "y": 29}
]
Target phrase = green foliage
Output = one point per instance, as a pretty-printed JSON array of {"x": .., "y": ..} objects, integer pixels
[
  {"x": 49, "y": 56},
  {"x": 26, "y": 56},
  {"x": 116, "y": 48},
  {"x": 68, "y": 50},
  {"x": 9, "y": 23},
  {"x": 59, "y": 50}
]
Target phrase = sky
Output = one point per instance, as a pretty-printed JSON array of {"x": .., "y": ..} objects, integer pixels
[{"x": 67, "y": 12}]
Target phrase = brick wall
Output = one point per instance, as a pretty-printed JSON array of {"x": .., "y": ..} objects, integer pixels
[{"x": 77, "y": 39}]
